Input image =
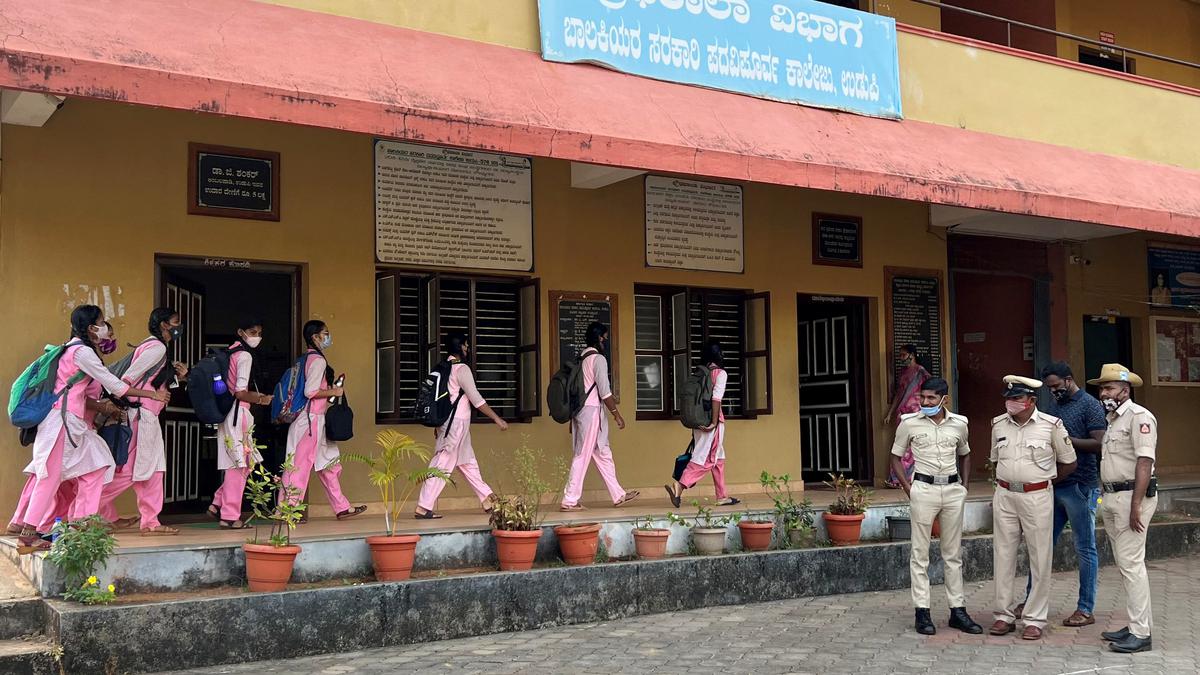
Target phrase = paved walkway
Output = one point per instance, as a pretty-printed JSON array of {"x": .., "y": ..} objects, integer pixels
[{"x": 859, "y": 633}]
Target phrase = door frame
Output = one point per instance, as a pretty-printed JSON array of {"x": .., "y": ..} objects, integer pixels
[{"x": 864, "y": 304}]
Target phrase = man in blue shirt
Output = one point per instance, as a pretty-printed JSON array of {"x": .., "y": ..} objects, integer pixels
[{"x": 1076, "y": 495}]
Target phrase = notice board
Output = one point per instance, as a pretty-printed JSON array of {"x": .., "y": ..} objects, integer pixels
[
  {"x": 445, "y": 207},
  {"x": 233, "y": 182},
  {"x": 570, "y": 314},
  {"x": 1176, "y": 344},
  {"x": 913, "y": 301},
  {"x": 694, "y": 225}
]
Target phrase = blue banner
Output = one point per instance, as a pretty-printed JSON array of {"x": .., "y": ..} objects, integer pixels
[{"x": 798, "y": 51}]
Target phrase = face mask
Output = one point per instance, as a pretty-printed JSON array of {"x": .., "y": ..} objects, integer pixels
[
  {"x": 175, "y": 331},
  {"x": 108, "y": 346},
  {"x": 327, "y": 342},
  {"x": 102, "y": 332},
  {"x": 253, "y": 342},
  {"x": 1111, "y": 405},
  {"x": 1015, "y": 407},
  {"x": 1061, "y": 395},
  {"x": 932, "y": 411}
]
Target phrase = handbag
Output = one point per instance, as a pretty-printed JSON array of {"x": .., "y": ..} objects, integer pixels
[
  {"x": 118, "y": 436},
  {"x": 681, "y": 461},
  {"x": 339, "y": 421}
]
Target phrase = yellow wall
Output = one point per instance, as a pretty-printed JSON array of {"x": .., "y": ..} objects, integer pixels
[
  {"x": 91, "y": 198},
  {"x": 1167, "y": 27},
  {"x": 1116, "y": 279}
]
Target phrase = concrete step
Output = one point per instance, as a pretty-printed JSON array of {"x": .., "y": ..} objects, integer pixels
[
  {"x": 34, "y": 656},
  {"x": 1189, "y": 506},
  {"x": 21, "y": 617}
]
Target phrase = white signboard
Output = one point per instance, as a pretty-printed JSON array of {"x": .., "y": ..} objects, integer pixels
[
  {"x": 452, "y": 208},
  {"x": 693, "y": 225}
]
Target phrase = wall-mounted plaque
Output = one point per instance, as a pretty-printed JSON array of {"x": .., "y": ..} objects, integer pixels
[
  {"x": 837, "y": 240},
  {"x": 913, "y": 301},
  {"x": 570, "y": 314},
  {"x": 233, "y": 182},
  {"x": 694, "y": 225}
]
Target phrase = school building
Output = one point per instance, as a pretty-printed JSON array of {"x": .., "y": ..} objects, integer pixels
[{"x": 1015, "y": 184}]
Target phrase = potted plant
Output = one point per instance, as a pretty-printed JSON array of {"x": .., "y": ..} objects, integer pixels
[
  {"x": 516, "y": 520},
  {"x": 900, "y": 525},
  {"x": 844, "y": 518},
  {"x": 79, "y": 548},
  {"x": 650, "y": 541},
  {"x": 795, "y": 518},
  {"x": 757, "y": 531},
  {"x": 392, "y": 554},
  {"x": 708, "y": 531},
  {"x": 269, "y": 565}
]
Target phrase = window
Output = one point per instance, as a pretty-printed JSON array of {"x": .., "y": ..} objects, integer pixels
[
  {"x": 413, "y": 315},
  {"x": 673, "y": 323}
]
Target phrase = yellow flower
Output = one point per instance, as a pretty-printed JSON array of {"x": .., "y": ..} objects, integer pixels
[
  {"x": 92, "y": 581},
  {"x": 112, "y": 589}
]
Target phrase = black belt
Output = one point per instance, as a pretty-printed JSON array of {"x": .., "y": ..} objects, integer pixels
[
  {"x": 936, "y": 480},
  {"x": 1128, "y": 485}
]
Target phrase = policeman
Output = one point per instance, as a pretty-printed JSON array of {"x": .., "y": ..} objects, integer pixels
[
  {"x": 938, "y": 439},
  {"x": 1029, "y": 449},
  {"x": 1130, "y": 497}
]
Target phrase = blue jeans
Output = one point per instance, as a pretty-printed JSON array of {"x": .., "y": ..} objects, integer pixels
[{"x": 1077, "y": 504}]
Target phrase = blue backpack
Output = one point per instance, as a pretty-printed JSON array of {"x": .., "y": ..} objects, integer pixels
[
  {"x": 289, "y": 400},
  {"x": 33, "y": 395}
]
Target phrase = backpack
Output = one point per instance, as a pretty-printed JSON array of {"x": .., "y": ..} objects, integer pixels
[
  {"x": 565, "y": 395},
  {"x": 695, "y": 401},
  {"x": 208, "y": 386},
  {"x": 289, "y": 400},
  {"x": 33, "y": 395},
  {"x": 433, "y": 406},
  {"x": 122, "y": 366}
]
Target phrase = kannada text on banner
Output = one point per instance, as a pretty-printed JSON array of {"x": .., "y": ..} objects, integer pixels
[{"x": 798, "y": 51}]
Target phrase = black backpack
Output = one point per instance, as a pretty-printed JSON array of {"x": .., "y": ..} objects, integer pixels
[
  {"x": 433, "y": 406},
  {"x": 210, "y": 406},
  {"x": 565, "y": 395},
  {"x": 695, "y": 400}
]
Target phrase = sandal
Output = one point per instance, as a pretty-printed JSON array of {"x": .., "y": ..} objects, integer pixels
[
  {"x": 214, "y": 512},
  {"x": 428, "y": 515},
  {"x": 31, "y": 542},
  {"x": 629, "y": 496},
  {"x": 160, "y": 531},
  {"x": 351, "y": 512},
  {"x": 234, "y": 525},
  {"x": 572, "y": 507},
  {"x": 491, "y": 504},
  {"x": 676, "y": 500},
  {"x": 126, "y": 523},
  {"x": 731, "y": 502}
]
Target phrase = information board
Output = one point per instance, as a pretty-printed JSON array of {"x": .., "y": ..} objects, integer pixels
[
  {"x": 693, "y": 225},
  {"x": 233, "y": 182},
  {"x": 1176, "y": 343},
  {"x": 570, "y": 313},
  {"x": 914, "y": 315},
  {"x": 837, "y": 240},
  {"x": 444, "y": 207},
  {"x": 1174, "y": 271}
]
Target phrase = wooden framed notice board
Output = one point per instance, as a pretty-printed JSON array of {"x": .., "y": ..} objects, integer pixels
[
  {"x": 570, "y": 314},
  {"x": 913, "y": 307}
]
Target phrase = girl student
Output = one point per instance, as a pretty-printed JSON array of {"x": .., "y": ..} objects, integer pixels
[
  {"x": 307, "y": 446},
  {"x": 708, "y": 443},
  {"x": 66, "y": 447},
  {"x": 237, "y": 452},
  {"x": 147, "y": 463},
  {"x": 452, "y": 449},
  {"x": 589, "y": 429}
]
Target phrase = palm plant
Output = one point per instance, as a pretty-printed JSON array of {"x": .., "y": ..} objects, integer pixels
[{"x": 396, "y": 450}]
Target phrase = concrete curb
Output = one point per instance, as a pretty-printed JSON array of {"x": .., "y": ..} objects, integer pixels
[{"x": 213, "y": 631}]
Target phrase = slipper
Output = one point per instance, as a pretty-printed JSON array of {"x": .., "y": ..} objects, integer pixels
[
  {"x": 731, "y": 502},
  {"x": 160, "y": 531},
  {"x": 126, "y": 523},
  {"x": 351, "y": 512},
  {"x": 214, "y": 512},
  {"x": 27, "y": 544},
  {"x": 234, "y": 525},
  {"x": 629, "y": 496},
  {"x": 676, "y": 500},
  {"x": 14, "y": 529},
  {"x": 573, "y": 507},
  {"x": 428, "y": 515}
]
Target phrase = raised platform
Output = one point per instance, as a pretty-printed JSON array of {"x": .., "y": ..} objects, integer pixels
[{"x": 203, "y": 556}]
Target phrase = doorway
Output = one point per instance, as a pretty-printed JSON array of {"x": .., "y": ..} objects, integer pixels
[
  {"x": 833, "y": 376},
  {"x": 1106, "y": 339},
  {"x": 212, "y": 295}
]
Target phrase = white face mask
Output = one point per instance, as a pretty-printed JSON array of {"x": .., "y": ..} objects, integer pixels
[
  {"x": 253, "y": 342},
  {"x": 1111, "y": 404},
  {"x": 102, "y": 332},
  {"x": 327, "y": 342}
]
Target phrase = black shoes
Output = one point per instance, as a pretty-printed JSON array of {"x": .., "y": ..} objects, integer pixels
[
  {"x": 961, "y": 620},
  {"x": 1116, "y": 635},
  {"x": 1132, "y": 644},
  {"x": 924, "y": 622}
]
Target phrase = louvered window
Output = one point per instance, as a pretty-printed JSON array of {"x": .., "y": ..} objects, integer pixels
[
  {"x": 672, "y": 326},
  {"x": 415, "y": 313}
]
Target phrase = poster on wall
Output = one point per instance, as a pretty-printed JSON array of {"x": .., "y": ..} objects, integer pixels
[
  {"x": 914, "y": 315},
  {"x": 1176, "y": 345},
  {"x": 444, "y": 207},
  {"x": 571, "y": 312},
  {"x": 1174, "y": 271},
  {"x": 694, "y": 225}
]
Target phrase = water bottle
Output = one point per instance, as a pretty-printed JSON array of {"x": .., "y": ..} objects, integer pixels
[
  {"x": 54, "y": 531},
  {"x": 219, "y": 387}
]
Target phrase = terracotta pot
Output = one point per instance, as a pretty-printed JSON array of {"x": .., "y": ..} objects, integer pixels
[
  {"x": 516, "y": 549},
  {"x": 801, "y": 538},
  {"x": 268, "y": 568},
  {"x": 844, "y": 530},
  {"x": 578, "y": 543},
  {"x": 756, "y": 536},
  {"x": 651, "y": 544},
  {"x": 393, "y": 556},
  {"x": 709, "y": 540}
]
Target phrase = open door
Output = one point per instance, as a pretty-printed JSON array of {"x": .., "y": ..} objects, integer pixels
[{"x": 185, "y": 439}]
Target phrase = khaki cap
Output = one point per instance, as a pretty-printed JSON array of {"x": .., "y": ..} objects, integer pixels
[
  {"x": 1115, "y": 372},
  {"x": 1015, "y": 385}
]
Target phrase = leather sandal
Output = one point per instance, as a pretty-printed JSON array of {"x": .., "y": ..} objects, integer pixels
[
  {"x": 630, "y": 495},
  {"x": 732, "y": 501},
  {"x": 234, "y": 525},
  {"x": 160, "y": 531},
  {"x": 1078, "y": 619},
  {"x": 14, "y": 529},
  {"x": 351, "y": 512},
  {"x": 213, "y": 512},
  {"x": 571, "y": 507},
  {"x": 428, "y": 515},
  {"x": 126, "y": 523}
]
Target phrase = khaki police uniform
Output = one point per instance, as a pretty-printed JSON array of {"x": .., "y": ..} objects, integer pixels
[
  {"x": 1132, "y": 434},
  {"x": 1026, "y": 458},
  {"x": 936, "y": 449}
]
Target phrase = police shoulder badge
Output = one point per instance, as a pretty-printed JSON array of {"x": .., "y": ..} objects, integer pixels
[{"x": 1145, "y": 428}]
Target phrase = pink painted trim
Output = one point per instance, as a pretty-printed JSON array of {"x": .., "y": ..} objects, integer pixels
[{"x": 1044, "y": 58}]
